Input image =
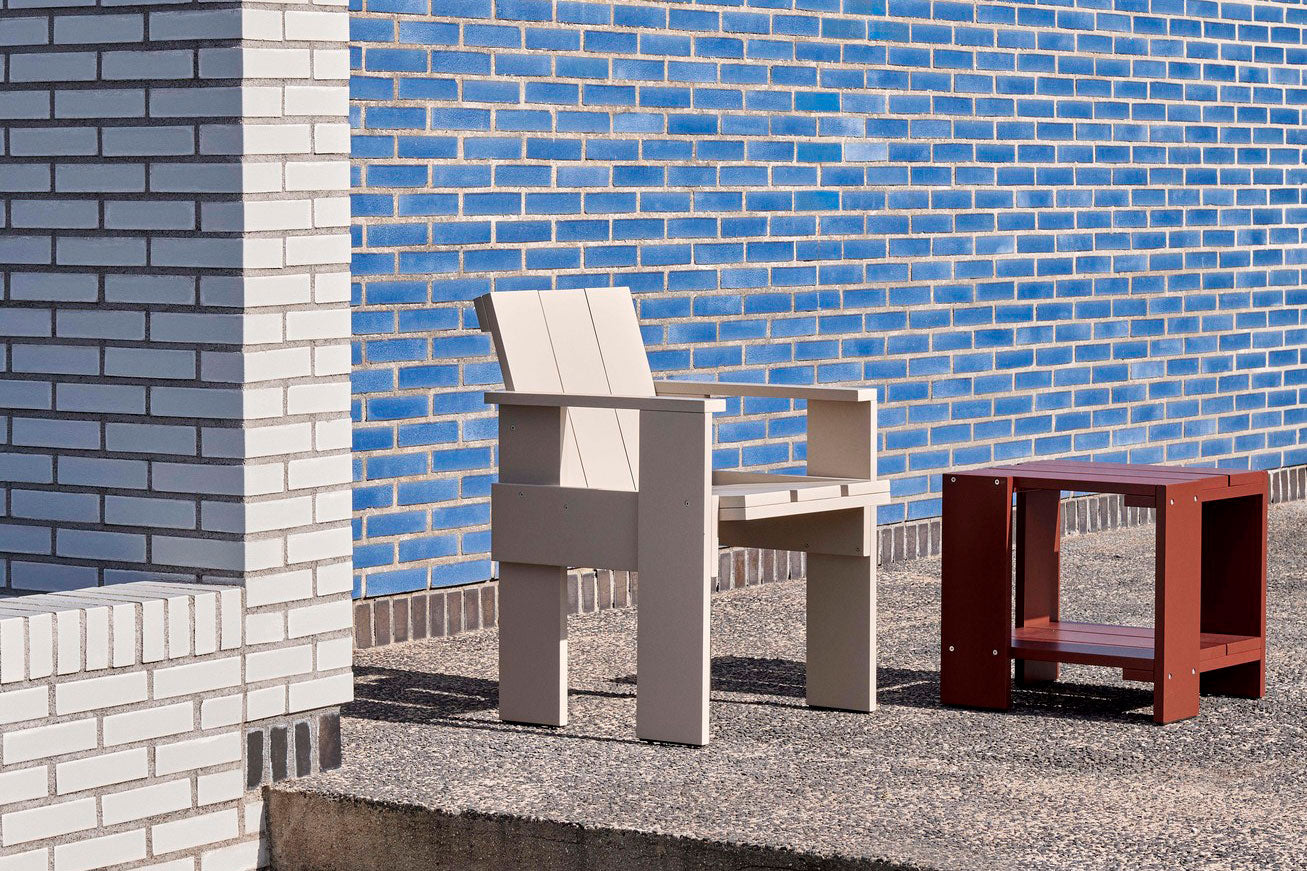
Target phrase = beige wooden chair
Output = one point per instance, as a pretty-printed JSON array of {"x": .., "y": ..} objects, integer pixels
[{"x": 601, "y": 466}]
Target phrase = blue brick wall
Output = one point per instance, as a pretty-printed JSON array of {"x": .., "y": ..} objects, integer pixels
[{"x": 1042, "y": 229}]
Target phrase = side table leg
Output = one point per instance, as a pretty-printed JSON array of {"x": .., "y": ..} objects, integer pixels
[
  {"x": 1234, "y": 587},
  {"x": 1178, "y": 604},
  {"x": 1039, "y": 545},
  {"x": 976, "y": 595}
]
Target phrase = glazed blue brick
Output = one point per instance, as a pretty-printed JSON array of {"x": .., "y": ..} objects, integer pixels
[{"x": 1039, "y": 229}]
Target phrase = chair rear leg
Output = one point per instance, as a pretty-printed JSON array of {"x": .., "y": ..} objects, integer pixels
[
  {"x": 533, "y": 644},
  {"x": 842, "y": 632}
]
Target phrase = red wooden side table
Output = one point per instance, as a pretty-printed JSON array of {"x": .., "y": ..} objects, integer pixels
[{"x": 1210, "y": 616}]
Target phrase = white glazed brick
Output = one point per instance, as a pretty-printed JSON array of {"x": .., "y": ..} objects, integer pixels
[
  {"x": 206, "y": 623},
  {"x": 331, "y": 139},
  {"x": 150, "y": 438},
  {"x": 316, "y": 100},
  {"x": 330, "y": 543},
  {"x": 316, "y": 175},
  {"x": 98, "y": 28},
  {"x": 100, "y": 103},
  {"x": 333, "y": 506},
  {"x": 263, "y": 516},
  {"x": 321, "y": 693},
  {"x": 32, "y": 860},
  {"x": 67, "y": 66},
  {"x": 148, "y": 511},
  {"x": 246, "y": 856},
  {"x": 337, "y": 578},
  {"x": 223, "y": 711},
  {"x": 53, "y": 287},
  {"x": 148, "y": 724},
  {"x": 197, "y": 753},
  {"x": 231, "y": 612},
  {"x": 41, "y": 742},
  {"x": 76, "y": 697},
  {"x": 103, "y": 770},
  {"x": 149, "y": 363},
  {"x": 320, "y": 618},
  {"x": 254, "y": 63},
  {"x": 169, "y": 64},
  {"x": 19, "y": 706},
  {"x": 197, "y": 677},
  {"x": 279, "y": 588},
  {"x": 25, "y": 31},
  {"x": 317, "y": 26},
  {"x": 258, "y": 441},
  {"x": 48, "y": 821},
  {"x": 256, "y": 291},
  {"x": 335, "y": 653},
  {"x": 221, "y": 786},
  {"x": 24, "y": 784},
  {"x": 147, "y": 801},
  {"x": 268, "y": 627},
  {"x": 276, "y": 664},
  {"x": 332, "y": 435},
  {"x": 264, "y": 703},
  {"x": 13, "y": 649},
  {"x": 318, "y": 398},
  {"x": 68, "y": 639},
  {"x": 194, "y": 832},
  {"x": 314, "y": 472},
  {"x": 234, "y": 555},
  {"x": 40, "y": 647},
  {"x": 100, "y": 852}
]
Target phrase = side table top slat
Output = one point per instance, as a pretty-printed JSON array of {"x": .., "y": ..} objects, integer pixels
[{"x": 1131, "y": 480}]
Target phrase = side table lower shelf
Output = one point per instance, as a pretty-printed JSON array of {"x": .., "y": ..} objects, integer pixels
[{"x": 1129, "y": 648}]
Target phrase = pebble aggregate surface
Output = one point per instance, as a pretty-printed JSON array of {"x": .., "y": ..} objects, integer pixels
[{"x": 1075, "y": 776}]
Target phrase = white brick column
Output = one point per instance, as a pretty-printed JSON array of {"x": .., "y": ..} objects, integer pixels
[
  {"x": 174, "y": 396},
  {"x": 174, "y": 406}
]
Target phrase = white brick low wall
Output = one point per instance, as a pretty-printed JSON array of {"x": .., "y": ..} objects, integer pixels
[{"x": 138, "y": 721}]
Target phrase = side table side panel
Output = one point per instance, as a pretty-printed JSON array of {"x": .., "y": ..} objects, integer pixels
[
  {"x": 1234, "y": 587},
  {"x": 1178, "y": 603},
  {"x": 976, "y": 600},
  {"x": 1039, "y": 546}
]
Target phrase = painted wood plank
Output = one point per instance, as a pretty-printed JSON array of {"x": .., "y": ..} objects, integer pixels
[
  {"x": 567, "y": 526},
  {"x": 516, "y": 323},
  {"x": 557, "y": 399},
  {"x": 533, "y": 644},
  {"x": 626, "y": 364},
  {"x": 776, "y": 391},
  {"x": 581, "y": 370},
  {"x": 675, "y": 523}
]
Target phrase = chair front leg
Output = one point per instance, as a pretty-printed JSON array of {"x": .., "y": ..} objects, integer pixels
[
  {"x": 842, "y": 631},
  {"x": 675, "y": 513},
  {"x": 533, "y": 644}
]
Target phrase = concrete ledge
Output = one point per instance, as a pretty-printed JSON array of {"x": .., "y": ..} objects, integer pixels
[{"x": 316, "y": 832}]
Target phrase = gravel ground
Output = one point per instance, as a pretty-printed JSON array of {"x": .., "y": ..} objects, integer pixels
[{"x": 1074, "y": 777}]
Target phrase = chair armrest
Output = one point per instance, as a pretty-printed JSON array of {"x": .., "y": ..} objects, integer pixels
[
  {"x": 689, "y": 405},
  {"x": 781, "y": 391}
]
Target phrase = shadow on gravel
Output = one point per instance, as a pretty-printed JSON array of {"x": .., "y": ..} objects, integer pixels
[
  {"x": 918, "y": 688},
  {"x": 399, "y": 696}
]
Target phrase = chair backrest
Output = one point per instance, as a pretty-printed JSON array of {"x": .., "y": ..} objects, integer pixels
[{"x": 577, "y": 341}]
